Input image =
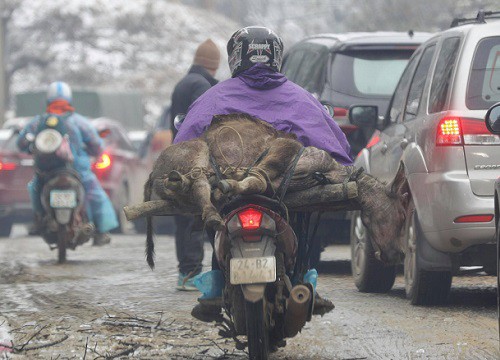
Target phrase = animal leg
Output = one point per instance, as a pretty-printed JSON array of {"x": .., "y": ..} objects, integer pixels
[
  {"x": 253, "y": 184},
  {"x": 201, "y": 195},
  {"x": 274, "y": 165}
]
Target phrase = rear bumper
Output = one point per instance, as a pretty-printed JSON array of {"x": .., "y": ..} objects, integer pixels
[
  {"x": 442, "y": 197},
  {"x": 21, "y": 212}
]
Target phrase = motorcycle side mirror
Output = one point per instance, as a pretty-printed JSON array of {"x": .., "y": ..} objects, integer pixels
[
  {"x": 178, "y": 120},
  {"x": 30, "y": 137},
  {"x": 493, "y": 119},
  {"x": 363, "y": 115}
]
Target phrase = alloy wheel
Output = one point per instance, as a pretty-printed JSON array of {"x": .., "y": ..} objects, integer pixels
[
  {"x": 410, "y": 262},
  {"x": 359, "y": 257}
]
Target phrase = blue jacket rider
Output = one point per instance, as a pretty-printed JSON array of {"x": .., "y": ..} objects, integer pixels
[{"x": 84, "y": 141}]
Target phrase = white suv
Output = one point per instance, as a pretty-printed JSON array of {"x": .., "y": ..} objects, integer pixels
[{"x": 435, "y": 126}]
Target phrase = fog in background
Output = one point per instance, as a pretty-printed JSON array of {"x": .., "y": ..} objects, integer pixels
[{"x": 148, "y": 45}]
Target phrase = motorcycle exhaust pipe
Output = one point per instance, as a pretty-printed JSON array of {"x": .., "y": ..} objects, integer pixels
[
  {"x": 297, "y": 309},
  {"x": 84, "y": 234}
]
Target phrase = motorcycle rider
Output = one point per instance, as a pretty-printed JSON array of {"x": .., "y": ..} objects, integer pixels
[
  {"x": 258, "y": 88},
  {"x": 84, "y": 141}
]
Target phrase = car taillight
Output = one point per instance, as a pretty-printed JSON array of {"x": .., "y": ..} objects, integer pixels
[
  {"x": 103, "y": 162},
  {"x": 462, "y": 131},
  {"x": 474, "y": 218},
  {"x": 250, "y": 219},
  {"x": 339, "y": 112},
  {"x": 449, "y": 132},
  {"x": 475, "y": 132},
  {"x": 6, "y": 166}
]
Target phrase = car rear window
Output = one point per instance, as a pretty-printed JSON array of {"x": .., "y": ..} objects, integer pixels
[
  {"x": 372, "y": 73},
  {"x": 483, "y": 90}
]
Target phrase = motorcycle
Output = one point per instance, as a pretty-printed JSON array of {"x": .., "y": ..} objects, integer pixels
[
  {"x": 266, "y": 292},
  {"x": 65, "y": 223}
]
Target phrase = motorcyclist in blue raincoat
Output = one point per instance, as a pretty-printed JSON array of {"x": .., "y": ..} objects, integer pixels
[{"x": 84, "y": 142}]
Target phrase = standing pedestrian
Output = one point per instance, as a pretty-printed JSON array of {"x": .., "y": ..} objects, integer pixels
[{"x": 200, "y": 78}]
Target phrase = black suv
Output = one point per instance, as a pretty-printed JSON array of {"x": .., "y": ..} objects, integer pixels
[{"x": 353, "y": 68}]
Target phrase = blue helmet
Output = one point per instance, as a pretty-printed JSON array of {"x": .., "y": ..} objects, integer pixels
[{"x": 59, "y": 90}]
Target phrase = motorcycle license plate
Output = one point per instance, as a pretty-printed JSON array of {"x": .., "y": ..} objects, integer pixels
[
  {"x": 252, "y": 270},
  {"x": 63, "y": 199}
]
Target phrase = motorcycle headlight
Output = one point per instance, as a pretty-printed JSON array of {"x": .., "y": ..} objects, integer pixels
[{"x": 48, "y": 141}]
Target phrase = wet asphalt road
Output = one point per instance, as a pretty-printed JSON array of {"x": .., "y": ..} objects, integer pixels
[{"x": 106, "y": 303}]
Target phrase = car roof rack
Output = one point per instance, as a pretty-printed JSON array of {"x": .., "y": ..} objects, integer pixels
[{"x": 479, "y": 19}]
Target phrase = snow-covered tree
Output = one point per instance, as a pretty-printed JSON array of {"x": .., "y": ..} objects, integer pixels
[{"x": 144, "y": 45}]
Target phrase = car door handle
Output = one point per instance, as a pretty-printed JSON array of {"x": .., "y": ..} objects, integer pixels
[
  {"x": 383, "y": 149},
  {"x": 404, "y": 143}
]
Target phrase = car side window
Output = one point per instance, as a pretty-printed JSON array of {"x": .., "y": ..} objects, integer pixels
[
  {"x": 442, "y": 74},
  {"x": 398, "y": 101},
  {"x": 311, "y": 69},
  {"x": 417, "y": 85},
  {"x": 292, "y": 64},
  {"x": 305, "y": 68}
]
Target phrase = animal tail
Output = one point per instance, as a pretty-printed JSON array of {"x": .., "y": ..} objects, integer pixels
[{"x": 150, "y": 244}]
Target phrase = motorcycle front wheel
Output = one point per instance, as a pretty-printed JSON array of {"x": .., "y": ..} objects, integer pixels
[
  {"x": 257, "y": 330},
  {"x": 61, "y": 243}
]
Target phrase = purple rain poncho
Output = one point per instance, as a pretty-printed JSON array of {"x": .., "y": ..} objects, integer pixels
[{"x": 270, "y": 96}]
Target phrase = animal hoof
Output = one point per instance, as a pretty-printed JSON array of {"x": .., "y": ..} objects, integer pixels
[
  {"x": 215, "y": 222},
  {"x": 218, "y": 195},
  {"x": 224, "y": 186}
]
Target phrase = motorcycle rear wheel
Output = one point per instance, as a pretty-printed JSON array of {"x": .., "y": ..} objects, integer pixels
[
  {"x": 61, "y": 244},
  {"x": 257, "y": 330}
]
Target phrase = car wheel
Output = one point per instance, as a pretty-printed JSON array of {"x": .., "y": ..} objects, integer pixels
[
  {"x": 122, "y": 199},
  {"x": 370, "y": 274},
  {"x": 490, "y": 269},
  {"x": 422, "y": 287},
  {"x": 498, "y": 272},
  {"x": 5, "y": 226}
]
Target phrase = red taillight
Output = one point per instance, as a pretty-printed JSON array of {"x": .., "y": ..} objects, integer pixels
[
  {"x": 475, "y": 132},
  {"x": 6, "y": 166},
  {"x": 250, "y": 219},
  {"x": 339, "y": 112},
  {"x": 474, "y": 218},
  {"x": 462, "y": 131},
  {"x": 103, "y": 162},
  {"x": 449, "y": 132}
]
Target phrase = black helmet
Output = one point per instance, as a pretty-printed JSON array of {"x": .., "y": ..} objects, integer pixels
[{"x": 252, "y": 45}]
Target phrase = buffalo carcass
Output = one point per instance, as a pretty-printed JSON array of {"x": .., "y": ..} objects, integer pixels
[{"x": 253, "y": 158}]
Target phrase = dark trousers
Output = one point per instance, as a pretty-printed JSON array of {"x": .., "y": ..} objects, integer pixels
[
  {"x": 189, "y": 245},
  {"x": 211, "y": 238}
]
